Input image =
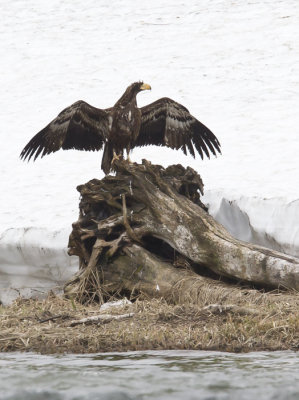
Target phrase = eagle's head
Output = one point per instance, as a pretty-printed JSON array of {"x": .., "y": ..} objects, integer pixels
[
  {"x": 131, "y": 93},
  {"x": 137, "y": 87}
]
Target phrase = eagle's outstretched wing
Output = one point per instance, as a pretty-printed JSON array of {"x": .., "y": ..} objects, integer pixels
[
  {"x": 168, "y": 123},
  {"x": 79, "y": 126}
]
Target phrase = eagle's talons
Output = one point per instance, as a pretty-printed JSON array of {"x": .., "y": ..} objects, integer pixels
[
  {"x": 129, "y": 160},
  {"x": 115, "y": 157}
]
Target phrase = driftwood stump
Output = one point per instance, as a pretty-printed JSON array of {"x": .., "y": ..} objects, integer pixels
[{"x": 146, "y": 230}]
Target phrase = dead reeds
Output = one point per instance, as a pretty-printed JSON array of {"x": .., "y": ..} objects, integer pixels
[{"x": 228, "y": 319}]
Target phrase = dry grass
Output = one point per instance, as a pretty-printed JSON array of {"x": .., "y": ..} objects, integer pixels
[{"x": 259, "y": 321}]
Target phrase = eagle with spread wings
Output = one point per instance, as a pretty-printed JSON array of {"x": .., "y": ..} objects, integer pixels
[{"x": 123, "y": 126}]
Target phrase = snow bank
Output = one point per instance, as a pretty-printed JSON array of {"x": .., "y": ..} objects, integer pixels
[
  {"x": 32, "y": 261},
  {"x": 271, "y": 223}
]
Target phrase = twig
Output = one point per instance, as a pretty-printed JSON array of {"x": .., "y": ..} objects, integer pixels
[
  {"x": 129, "y": 230},
  {"x": 41, "y": 321},
  {"x": 100, "y": 319},
  {"x": 224, "y": 308}
]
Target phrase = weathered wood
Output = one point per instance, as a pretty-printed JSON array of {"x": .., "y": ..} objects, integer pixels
[
  {"x": 100, "y": 319},
  {"x": 148, "y": 219}
]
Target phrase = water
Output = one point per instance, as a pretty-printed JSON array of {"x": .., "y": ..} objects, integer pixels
[{"x": 150, "y": 375}]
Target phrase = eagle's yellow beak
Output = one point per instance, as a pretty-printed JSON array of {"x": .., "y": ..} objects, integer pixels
[{"x": 145, "y": 86}]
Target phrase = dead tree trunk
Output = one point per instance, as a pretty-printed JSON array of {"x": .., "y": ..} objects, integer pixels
[{"x": 136, "y": 228}]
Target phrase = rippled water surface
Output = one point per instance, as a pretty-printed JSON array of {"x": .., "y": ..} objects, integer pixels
[{"x": 150, "y": 375}]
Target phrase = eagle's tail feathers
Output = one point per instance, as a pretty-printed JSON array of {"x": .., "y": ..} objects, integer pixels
[{"x": 107, "y": 158}]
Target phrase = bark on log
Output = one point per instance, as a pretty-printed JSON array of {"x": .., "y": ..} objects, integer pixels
[{"x": 136, "y": 228}]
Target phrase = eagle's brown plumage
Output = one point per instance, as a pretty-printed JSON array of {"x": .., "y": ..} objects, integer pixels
[{"x": 123, "y": 126}]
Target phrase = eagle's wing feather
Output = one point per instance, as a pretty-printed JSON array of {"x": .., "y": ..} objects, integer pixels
[
  {"x": 79, "y": 126},
  {"x": 168, "y": 123}
]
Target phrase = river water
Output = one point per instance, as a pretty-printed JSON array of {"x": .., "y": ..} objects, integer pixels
[{"x": 150, "y": 375}]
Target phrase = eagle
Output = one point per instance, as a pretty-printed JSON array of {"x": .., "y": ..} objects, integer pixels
[{"x": 123, "y": 127}]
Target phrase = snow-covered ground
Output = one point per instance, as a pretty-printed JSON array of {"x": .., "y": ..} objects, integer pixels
[{"x": 234, "y": 64}]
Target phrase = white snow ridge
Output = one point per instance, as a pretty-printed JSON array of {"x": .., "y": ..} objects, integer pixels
[
  {"x": 271, "y": 223},
  {"x": 33, "y": 261},
  {"x": 234, "y": 65}
]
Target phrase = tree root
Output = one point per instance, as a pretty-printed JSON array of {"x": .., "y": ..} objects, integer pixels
[{"x": 146, "y": 231}]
